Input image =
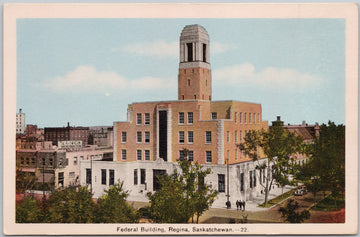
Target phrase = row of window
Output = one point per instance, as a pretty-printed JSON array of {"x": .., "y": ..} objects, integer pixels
[
  {"x": 190, "y": 118},
  {"x": 250, "y": 118},
  {"x": 142, "y": 176},
  {"x": 139, "y": 154},
  {"x": 140, "y": 118},
  {"x": 190, "y": 137},
  {"x": 103, "y": 176},
  {"x": 190, "y": 155},
  {"x": 139, "y": 137}
]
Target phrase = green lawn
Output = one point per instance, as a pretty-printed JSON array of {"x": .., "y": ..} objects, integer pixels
[
  {"x": 330, "y": 203},
  {"x": 278, "y": 199}
]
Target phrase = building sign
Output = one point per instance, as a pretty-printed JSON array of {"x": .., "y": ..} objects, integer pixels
[
  {"x": 69, "y": 144},
  {"x": 100, "y": 135}
]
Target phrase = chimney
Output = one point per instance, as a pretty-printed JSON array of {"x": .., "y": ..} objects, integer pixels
[{"x": 68, "y": 124}]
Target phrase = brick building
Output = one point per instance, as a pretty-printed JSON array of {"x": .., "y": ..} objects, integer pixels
[
  {"x": 155, "y": 134},
  {"x": 56, "y": 134}
]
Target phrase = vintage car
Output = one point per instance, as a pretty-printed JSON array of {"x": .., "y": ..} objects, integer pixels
[{"x": 300, "y": 191}]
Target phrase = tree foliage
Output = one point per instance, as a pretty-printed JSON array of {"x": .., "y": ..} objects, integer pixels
[
  {"x": 182, "y": 195},
  {"x": 326, "y": 167},
  {"x": 71, "y": 205},
  {"x": 28, "y": 211},
  {"x": 113, "y": 208},
  {"x": 278, "y": 146},
  {"x": 291, "y": 215},
  {"x": 24, "y": 180}
]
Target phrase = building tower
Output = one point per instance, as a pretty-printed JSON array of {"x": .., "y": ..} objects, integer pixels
[
  {"x": 194, "y": 69},
  {"x": 20, "y": 122}
]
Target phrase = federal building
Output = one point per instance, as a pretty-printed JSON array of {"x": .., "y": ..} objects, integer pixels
[{"x": 194, "y": 127}]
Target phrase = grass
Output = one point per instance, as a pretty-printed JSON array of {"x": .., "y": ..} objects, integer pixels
[
  {"x": 330, "y": 203},
  {"x": 278, "y": 199}
]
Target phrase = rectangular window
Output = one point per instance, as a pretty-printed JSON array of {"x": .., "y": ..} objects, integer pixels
[
  {"x": 249, "y": 118},
  {"x": 240, "y": 118},
  {"x": 135, "y": 177},
  {"x": 111, "y": 177},
  {"x": 254, "y": 119},
  {"x": 254, "y": 181},
  {"x": 190, "y": 136},
  {"x": 103, "y": 176},
  {"x": 181, "y": 117},
  {"x": 242, "y": 182},
  {"x": 139, "y": 137},
  {"x": 236, "y": 137},
  {"x": 147, "y": 137},
  {"x": 214, "y": 115},
  {"x": 236, "y": 154},
  {"x": 75, "y": 160},
  {"x": 240, "y": 136},
  {"x": 123, "y": 154},
  {"x": 228, "y": 136},
  {"x": 88, "y": 176},
  {"x": 147, "y": 154},
  {"x": 147, "y": 119},
  {"x": 235, "y": 117},
  {"x": 191, "y": 156},
  {"x": 138, "y": 119},
  {"x": 61, "y": 179},
  {"x": 208, "y": 137},
  {"x": 264, "y": 177},
  {"x": 142, "y": 176},
  {"x": 190, "y": 117},
  {"x": 221, "y": 182},
  {"x": 251, "y": 178},
  {"x": 260, "y": 175},
  {"x": 123, "y": 137},
  {"x": 245, "y": 118},
  {"x": 138, "y": 154},
  {"x": 181, "y": 137},
  {"x": 208, "y": 157},
  {"x": 258, "y": 118},
  {"x": 181, "y": 155}
]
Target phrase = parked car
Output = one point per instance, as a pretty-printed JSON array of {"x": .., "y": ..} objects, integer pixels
[{"x": 300, "y": 191}]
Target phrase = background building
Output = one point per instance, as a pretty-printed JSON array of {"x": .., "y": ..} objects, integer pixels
[
  {"x": 56, "y": 134},
  {"x": 20, "y": 122}
]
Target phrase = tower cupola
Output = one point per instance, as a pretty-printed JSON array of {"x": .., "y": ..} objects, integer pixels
[{"x": 194, "y": 69}]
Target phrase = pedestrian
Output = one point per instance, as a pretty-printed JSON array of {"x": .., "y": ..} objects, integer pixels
[
  {"x": 241, "y": 204},
  {"x": 237, "y": 205}
]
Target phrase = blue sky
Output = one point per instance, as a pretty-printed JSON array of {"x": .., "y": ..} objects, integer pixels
[{"x": 86, "y": 71}]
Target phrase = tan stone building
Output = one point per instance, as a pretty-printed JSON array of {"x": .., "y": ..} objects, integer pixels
[
  {"x": 155, "y": 134},
  {"x": 209, "y": 129}
]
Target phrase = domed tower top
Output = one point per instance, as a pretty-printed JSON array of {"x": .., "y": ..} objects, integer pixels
[
  {"x": 194, "y": 45},
  {"x": 194, "y": 68}
]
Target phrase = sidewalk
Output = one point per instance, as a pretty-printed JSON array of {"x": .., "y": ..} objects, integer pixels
[{"x": 252, "y": 206}]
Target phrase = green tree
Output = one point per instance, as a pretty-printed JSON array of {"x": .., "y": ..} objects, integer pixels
[
  {"x": 24, "y": 180},
  {"x": 291, "y": 215},
  {"x": 326, "y": 167},
  {"x": 71, "y": 205},
  {"x": 113, "y": 208},
  {"x": 182, "y": 195},
  {"x": 278, "y": 146},
  {"x": 28, "y": 211}
]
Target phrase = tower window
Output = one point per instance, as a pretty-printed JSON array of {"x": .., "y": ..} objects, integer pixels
[
  {"x": 204, "y": 52},
  {"x": 189, "y": 52},
  {"x": 188, "y": 82}
]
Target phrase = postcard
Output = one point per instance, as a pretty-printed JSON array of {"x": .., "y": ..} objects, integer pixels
[{"x": 180, "y": 119}]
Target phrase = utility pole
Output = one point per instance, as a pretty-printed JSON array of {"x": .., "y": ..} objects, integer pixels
[
  {"x": 228, "y": 204},
  {"x": 91, "y": 174}
]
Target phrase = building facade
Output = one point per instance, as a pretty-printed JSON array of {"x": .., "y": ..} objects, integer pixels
[
  {"x": 194, "y": 127},
  {"x": 20, "y": 122},
  {"x": 68, "y": 133}
]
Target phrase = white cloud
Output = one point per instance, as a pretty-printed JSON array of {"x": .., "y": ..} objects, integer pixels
[
  {"x": 217, "y": 47},
  {"x": 162, "y": 49},
  {"x": 270, "y": 77},
  {"x": 159, "y": 49},
  {"x": 87, "y": 78}
]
